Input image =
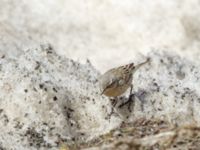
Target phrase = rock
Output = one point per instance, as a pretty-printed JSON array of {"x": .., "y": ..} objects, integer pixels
[
  {"x": 178, "y": 138},
  {"x": 46, "y": 98},
  {"x": 168, "y": 88}
]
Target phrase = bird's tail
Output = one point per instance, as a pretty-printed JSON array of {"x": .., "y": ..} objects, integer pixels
[{"x": 139, "y": 65}]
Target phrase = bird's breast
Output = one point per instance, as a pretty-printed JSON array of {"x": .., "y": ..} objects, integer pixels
[{"x": 116, "y": 91}]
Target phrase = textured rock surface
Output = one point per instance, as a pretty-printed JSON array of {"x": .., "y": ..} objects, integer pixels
[
  {"x": 150, "y": 134},
  {"x": 46, "y": 98},
  {"x": 168, "y": 88}
]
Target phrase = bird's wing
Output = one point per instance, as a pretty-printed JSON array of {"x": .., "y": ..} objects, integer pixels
[{"x": 113, "y": 83}]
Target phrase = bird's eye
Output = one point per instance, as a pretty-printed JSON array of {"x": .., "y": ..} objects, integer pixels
[{"x": 121, "y": 82}]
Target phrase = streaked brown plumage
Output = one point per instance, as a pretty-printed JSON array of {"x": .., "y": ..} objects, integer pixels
[{"x": 116, "y": 81}]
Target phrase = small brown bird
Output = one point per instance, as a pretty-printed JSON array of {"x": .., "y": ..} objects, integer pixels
[{"x": 116, "y": 81}]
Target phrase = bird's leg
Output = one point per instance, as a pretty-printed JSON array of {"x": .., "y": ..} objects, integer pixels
[
  {"x": 131, "y": 90},
  {"x": 113, "y": 101},
  {"x": 113, "y": 104},
  {"x": 129, "y": 102},
  {"x": 129, "y": 99}
]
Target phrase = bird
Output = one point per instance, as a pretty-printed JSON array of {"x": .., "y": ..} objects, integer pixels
[{"x": 116, "y": 81}]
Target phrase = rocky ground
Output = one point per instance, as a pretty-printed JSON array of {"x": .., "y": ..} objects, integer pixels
[
  {"x": 53, "y": 52},
  {"x": 146, "y": 135},
  {"x": 48, "y": 100}
]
